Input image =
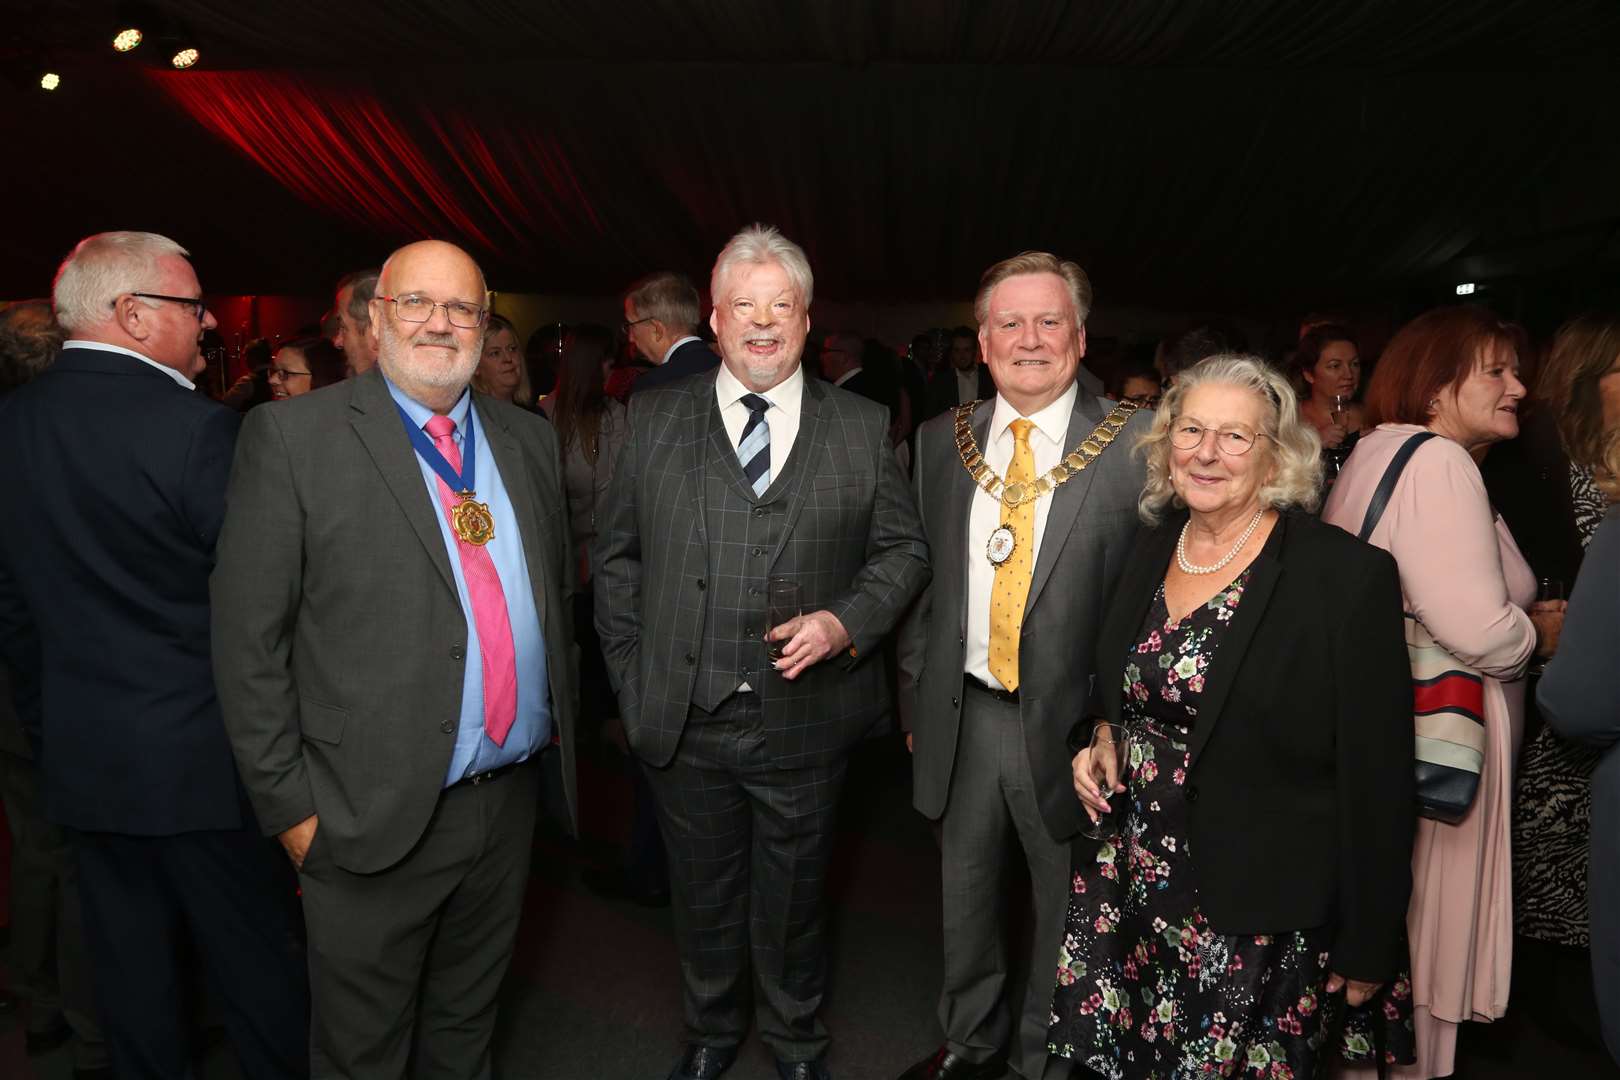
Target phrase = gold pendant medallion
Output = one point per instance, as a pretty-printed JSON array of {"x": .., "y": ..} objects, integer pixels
[{"x": 471, "y": 520}]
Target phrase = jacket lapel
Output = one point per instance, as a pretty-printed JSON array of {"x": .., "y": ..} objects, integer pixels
[
  {"x": 376, "y": 421},
  {"x": 807, "y": 446},
  {"x": 521, "y": 489},
  {"x": 1067, "y": 499},
  {"x": 1251, "y": 610},
  {"x": 1133, "y": 596}
]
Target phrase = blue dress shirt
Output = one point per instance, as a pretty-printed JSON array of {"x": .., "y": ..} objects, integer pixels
[{"x": 475, "y": 752}]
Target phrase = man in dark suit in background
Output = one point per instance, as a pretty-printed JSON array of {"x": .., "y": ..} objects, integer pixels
[
  {"x": 729, "y": 481},
  {"x": 1001, "y": 644},
  {"x": 661, "y": 313},
  {"x": 962, "y": 379},
  {"x": 841, "y": 365},
  {"x": 112, "y": 487},
  {"x": 392, "y": 635}
]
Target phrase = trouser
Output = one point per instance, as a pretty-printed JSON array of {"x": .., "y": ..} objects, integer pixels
[
  {"x": 231, "y": 893},
  {"x": 990, "y": 816},
  {"x": 748, "y": 846},
  {"x": 405, "y": 964},
  {"x": 47, "y": 923}
]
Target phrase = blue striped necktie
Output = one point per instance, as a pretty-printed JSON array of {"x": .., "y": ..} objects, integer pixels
[{"x": 754, "y": 448}]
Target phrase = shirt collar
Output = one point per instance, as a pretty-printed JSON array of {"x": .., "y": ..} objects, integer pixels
[
  {"x": 1052, "y": 421},
  {"x": 848, "y": 375},
  {"x": 784, "y": 395},
  {"x": 669, "y": 352},
  {"x": 103, "y": 346},
  {"x": 420, "y": 414}
]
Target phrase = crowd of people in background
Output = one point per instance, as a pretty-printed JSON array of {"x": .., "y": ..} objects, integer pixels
[{"x": 1288, "y": 685}]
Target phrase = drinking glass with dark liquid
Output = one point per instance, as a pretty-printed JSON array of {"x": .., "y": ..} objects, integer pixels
[{"x": 782, "y": 604}]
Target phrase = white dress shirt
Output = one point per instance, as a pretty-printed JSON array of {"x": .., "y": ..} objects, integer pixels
[
  {"x": 76, "y": 343},
  {"x": 782, "y": 417},
  {"x": 1047, "y": 440},
  {"x": 848, "y": 375},
  {"x": 669, "y": 352},
  {"x": 967, "y": 388}
]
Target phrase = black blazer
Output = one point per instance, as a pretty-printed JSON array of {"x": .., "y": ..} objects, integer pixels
[
  {"x": 1300, "y": 790},
  {"x": 942, "y": 392},
  {"x": 693, "y": 358},
  {"x": 112, "y": 487}
]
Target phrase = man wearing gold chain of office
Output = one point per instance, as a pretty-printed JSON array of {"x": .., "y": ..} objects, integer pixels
[{"x": 1029, "y": 504}]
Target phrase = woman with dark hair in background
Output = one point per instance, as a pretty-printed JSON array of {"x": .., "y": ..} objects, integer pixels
[
  {"x": 302, "y": 365},
  {"x": 502, "y": 372},
  {"x": 1543, "y": 483},
  {"x": 1327, "y": 367},
  {"x": 591, "y": 430}
]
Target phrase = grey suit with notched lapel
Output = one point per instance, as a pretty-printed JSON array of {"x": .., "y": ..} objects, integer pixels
[
  {"x": 846, "y": 531},
  {"x": 339, "y": 639},
  {"x": 966, "y": 769},
  {"x": 747, "y": 782}
]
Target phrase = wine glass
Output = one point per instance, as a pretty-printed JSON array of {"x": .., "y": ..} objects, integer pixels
[
  {"x": 782, "y": 604},
  {"x": 1110, "y": 757}
]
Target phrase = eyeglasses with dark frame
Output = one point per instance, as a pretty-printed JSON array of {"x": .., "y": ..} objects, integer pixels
[
  {"x": 412, "y": 308},
  {"x": 283, "y": 374},
  {"x": 1188, "y": 434},
  {"x": 196, "y": 303},
  {"x": 627, "y": 325}
]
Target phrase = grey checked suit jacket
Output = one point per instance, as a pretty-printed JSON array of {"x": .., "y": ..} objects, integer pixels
[
  {"x": 851, "y": 538},
  {"x": 339, "y": 640},
  {"x": 1089, "y": 531}
]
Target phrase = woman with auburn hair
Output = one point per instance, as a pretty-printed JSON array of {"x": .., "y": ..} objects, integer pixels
[{"x": 1445, "y": 390}]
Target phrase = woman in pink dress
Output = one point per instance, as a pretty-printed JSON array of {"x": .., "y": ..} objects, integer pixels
[{"x": 1454, "y": 372}]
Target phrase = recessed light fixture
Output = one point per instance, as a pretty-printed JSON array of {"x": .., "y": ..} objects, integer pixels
[
  {"x": 127, "y": 39},
  {"x": 1465, "y": 289},
  {"x": 185, "y": 58},
  {"x": 50, "y": 81}
]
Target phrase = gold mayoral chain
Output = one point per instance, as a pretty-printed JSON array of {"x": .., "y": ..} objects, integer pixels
[
  {"x": 1015, "y": 494},
  {"x": 471, "y": 520}
]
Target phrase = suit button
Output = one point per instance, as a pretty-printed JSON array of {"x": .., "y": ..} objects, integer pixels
[
  {"x": 1192, "y": 793},
  {"x": 753, "y": 590},
  {"x": 702, "y": 585},
  {"x": 953, "y": 703},
  {"x": 961, "y": 639},
  {"x": 690, "y": 659},
  {"x": 759, "y": 511},
  {"x": 457, "y": 652},
  {"x": 748, "y": 671},
  {"x": 759, "y": 551},
  {"x": 447, "y": 727}
]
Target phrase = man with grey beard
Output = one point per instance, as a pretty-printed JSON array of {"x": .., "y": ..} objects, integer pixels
[{"x": 392, "y": 626}]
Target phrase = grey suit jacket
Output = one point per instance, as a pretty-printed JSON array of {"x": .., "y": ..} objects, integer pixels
[
  {"x": 339, "y": 639},
  {"x": 851, "y": 539},
  {"x": 1579, "y": 697},
  {"x": 1089, "y": 530}
]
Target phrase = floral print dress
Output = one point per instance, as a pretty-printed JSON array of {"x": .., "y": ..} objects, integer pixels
[{"x": 1146, "y": 988}]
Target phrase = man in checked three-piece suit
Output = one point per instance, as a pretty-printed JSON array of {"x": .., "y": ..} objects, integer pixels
[{"x": 731, "y": 479}]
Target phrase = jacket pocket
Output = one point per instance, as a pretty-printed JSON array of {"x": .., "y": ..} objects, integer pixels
[{"x": 322, "y": 723}]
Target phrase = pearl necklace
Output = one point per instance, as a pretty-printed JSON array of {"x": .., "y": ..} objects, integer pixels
[{"x": 1189, "y": 568}]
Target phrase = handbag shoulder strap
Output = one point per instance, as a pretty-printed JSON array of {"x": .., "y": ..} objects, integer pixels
[{"x": 1386, "y": 486}]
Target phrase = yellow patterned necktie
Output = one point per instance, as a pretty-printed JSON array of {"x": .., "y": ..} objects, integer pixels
[{"x": 1011, "y": 587}]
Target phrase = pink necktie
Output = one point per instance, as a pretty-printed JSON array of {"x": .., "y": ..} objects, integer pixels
[{"x": 488, "y": 603}]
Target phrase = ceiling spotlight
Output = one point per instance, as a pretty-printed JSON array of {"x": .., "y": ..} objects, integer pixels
[
  {"x": 127, "y": 39},
  {"x": 1465, "y": 289},
  {"x": 185, "y": 58},
  {"x": 50, "y": 81}
]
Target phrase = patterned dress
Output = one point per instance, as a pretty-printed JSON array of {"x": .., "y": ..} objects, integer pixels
[{"x": 1146, "y": 988}]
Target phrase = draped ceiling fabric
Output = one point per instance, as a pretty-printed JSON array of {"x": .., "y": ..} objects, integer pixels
[{"x": 1252, "y": 155}]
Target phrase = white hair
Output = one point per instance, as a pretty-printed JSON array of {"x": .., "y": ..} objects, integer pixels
[
  {"x": 1296, "y": 450},
  {"x": 103, "y": 267},
  {"x": 761, "y": 244}
]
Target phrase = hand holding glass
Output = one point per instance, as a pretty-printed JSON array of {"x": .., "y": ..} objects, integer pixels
[
  {"x": 782, "y": 604},
  {"x": 1099, "y": 776}
]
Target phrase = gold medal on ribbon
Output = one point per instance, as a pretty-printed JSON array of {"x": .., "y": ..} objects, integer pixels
[
  {"x": 1002, "y": 543},
  {"x": 471, "y": 520}
]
